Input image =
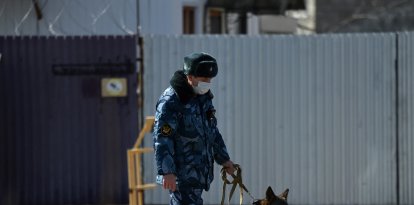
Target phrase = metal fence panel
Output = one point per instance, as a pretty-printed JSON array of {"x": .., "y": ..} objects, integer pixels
[
  {"x": 61, "y": 142},
  {"x": 406, "y": 116},
  {"x": 315, "y": 114}
]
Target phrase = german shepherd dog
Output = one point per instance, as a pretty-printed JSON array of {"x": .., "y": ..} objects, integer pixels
[{"x": 272, "y": 199}]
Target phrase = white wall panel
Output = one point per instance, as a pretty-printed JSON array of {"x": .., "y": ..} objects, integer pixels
[{"x": 315, "y": 114}]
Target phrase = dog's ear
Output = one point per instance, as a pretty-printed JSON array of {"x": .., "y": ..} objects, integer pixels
[
  {"x": 284, "y": 195},
  {"x": 258, "y": 202},
  {"x": 269, "y": 193}
]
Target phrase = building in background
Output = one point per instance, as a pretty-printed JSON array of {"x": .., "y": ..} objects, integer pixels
[
  {"x": 254, "y": 17},
  {"x": 225, "y": 17}
]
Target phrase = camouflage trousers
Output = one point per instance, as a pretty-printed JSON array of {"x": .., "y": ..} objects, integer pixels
[{"x": 186, "y": 196}]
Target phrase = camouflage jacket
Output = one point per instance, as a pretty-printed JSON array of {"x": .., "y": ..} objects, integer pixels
[{"x": 186, "y": 138}]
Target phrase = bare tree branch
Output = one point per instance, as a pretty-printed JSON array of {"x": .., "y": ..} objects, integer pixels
[{"x": 373, "y": 14}]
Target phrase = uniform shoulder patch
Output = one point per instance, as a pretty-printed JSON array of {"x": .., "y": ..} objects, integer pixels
[{"x": 166, "y": 130}]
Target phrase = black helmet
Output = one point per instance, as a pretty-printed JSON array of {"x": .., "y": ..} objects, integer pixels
[{"x": 200, "y": 65}]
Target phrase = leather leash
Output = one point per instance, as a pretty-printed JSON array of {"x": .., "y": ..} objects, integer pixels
[{"x": 237, "y": 180}]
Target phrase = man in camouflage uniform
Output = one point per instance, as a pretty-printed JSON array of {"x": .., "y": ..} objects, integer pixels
[{"x": 186, "y": 138}]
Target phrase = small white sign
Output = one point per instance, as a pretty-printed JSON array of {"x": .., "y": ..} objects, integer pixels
[{"x": 114, "y": 87}]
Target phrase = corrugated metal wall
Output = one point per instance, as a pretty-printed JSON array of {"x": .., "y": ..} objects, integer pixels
[
  {"x": 61, "y": 142},
  {"x": 315, "y": 114},
  {"x": 406, "y": 116}
]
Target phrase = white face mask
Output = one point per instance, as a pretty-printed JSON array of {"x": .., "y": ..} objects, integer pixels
[{"x": 202, "y": 88}]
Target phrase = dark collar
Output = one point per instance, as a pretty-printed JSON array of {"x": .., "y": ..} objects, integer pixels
[{"x": 180, "y": 85}]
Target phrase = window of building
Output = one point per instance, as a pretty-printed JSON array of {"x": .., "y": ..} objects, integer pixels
[
  {"x": 215, "y": 21},
  {"x": 188, "y": 20}
]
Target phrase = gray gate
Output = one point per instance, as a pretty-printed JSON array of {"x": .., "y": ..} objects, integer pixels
[{"x": 62, "y": 140}]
